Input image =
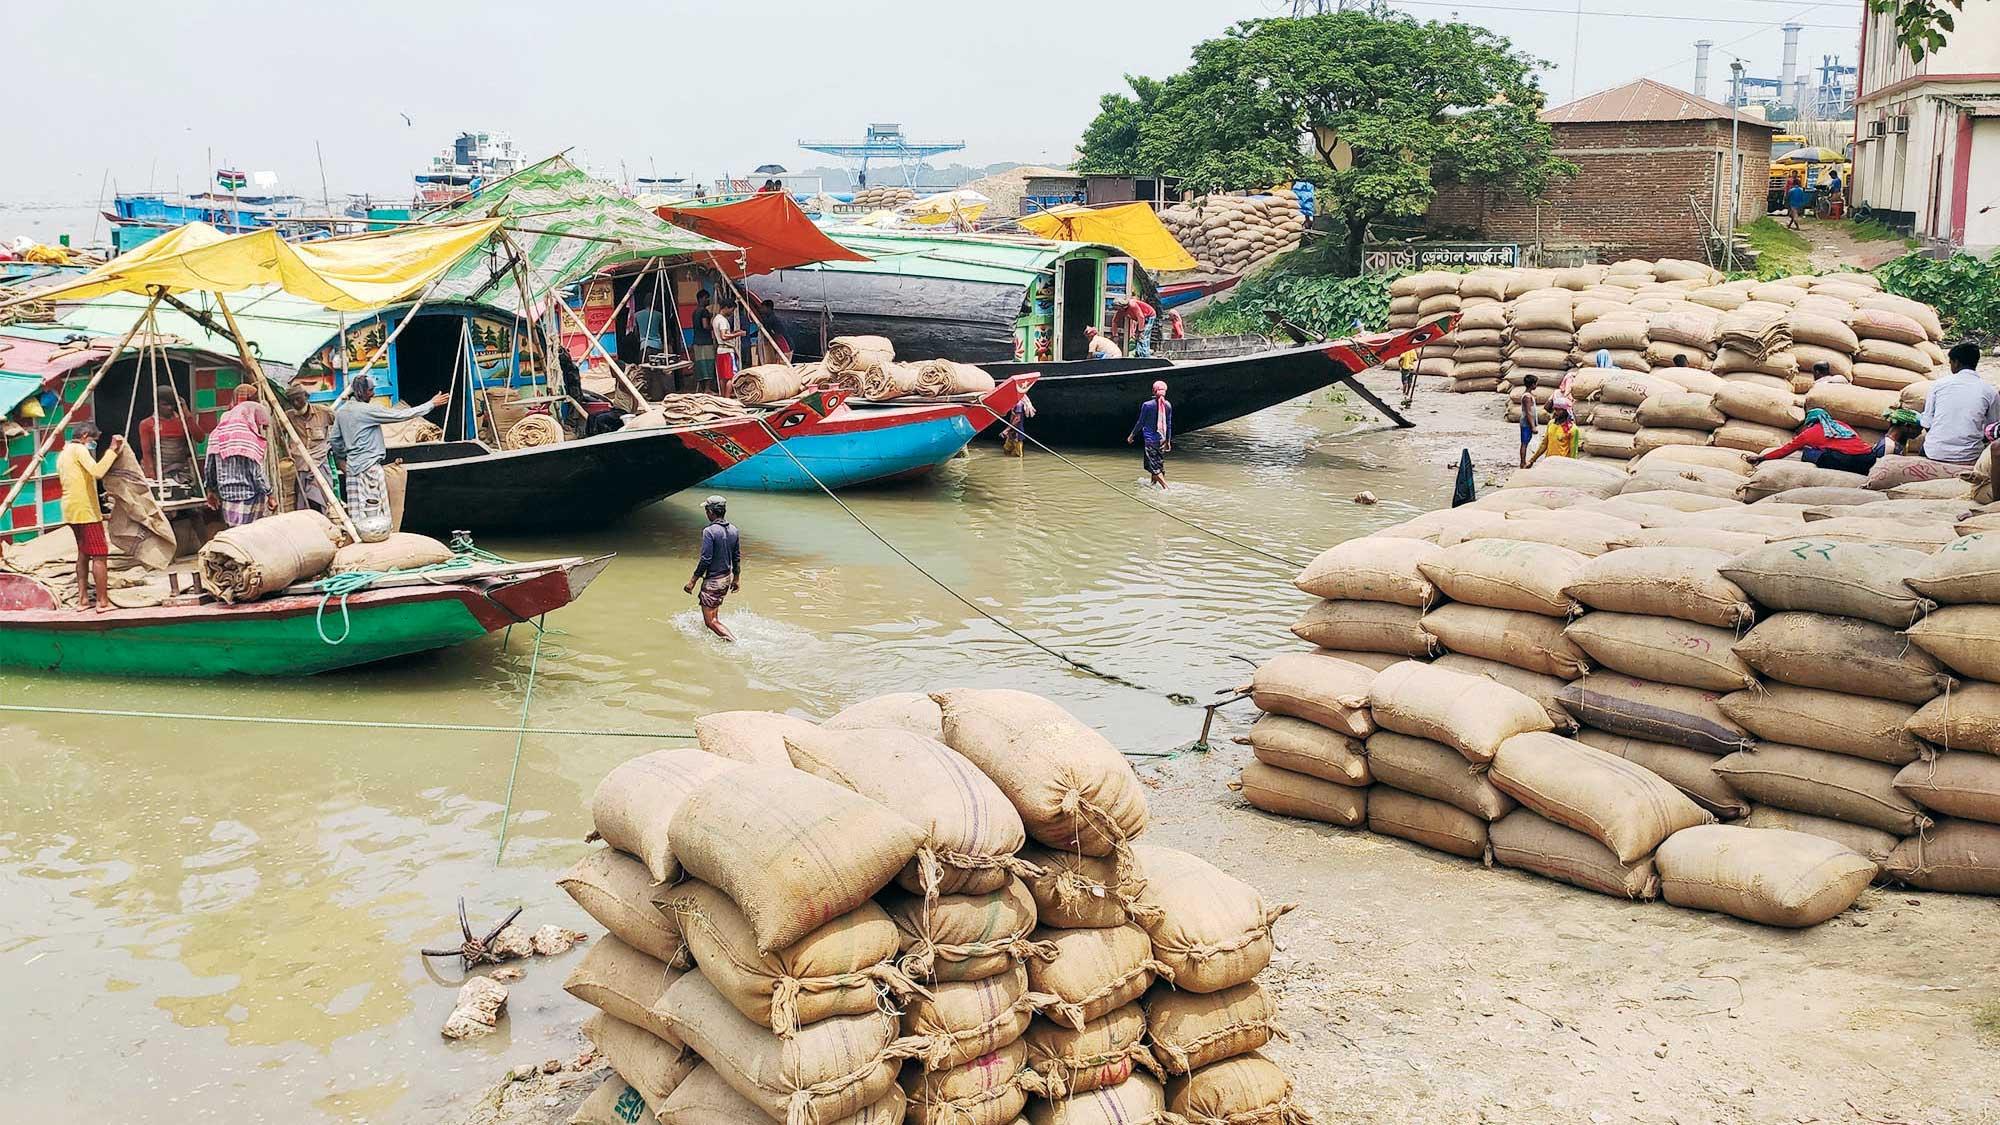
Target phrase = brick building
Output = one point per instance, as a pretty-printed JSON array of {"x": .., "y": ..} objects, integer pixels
[{"x": 1644, "y": 150}]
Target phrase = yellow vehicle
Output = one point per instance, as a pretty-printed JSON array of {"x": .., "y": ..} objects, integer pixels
[{"x": 1792, "y": 154}]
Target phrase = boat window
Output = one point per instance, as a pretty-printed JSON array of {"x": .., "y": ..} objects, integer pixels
[
  {"x": 430, "y": 357},
  {"x": 1079, "y": 306},
  {"x": 124, "y": 397}
]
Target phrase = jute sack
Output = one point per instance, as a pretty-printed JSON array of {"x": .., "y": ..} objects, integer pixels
[
  {"x": 1773, "y": 477},
  {"x": 1843, "y": 654},
  {"x": 1372, "y": 570},
  {"x": 705, "y": 1098},
  {"x": 912, "y": 711},
  {"x": 1617, "y": 333},
  {"x": 1470, "y": 714},
  {"x": 1598, "y": 442},
  {"x": 1533, "y": 641},
  {"x": 1567, "y": 472},
  {"x": 1318, "y": 689},
  {"x": 1529, "y": 842},
  {"x": 1540, "y": 359},
  {"x": 1730, "y": 543},
  {"x": 1962, "y": 785},
  {"x": 1858, "y": 726},
  {"x": 1560, "y": 339},
  {"x": 248, "y": 562},
  {"x": 623, "y": 982},
  {"x": 1190, "y": 1030},
  {"x": 791, "y": 850},
  {"x": 1244, "y": 1088},
  {"x": 971, "y": 832},
  {"x": 1136, "y": 1101},
  {"x": 1587, "y": 538},
  {"x": 1434, "y": 770},
  {"x": 1960, "y": 489},
  {"x": 1838, "y": 363},
  {"x": 1724, "y": 459},
  {"x": 1071, "y": 1062},
  {"x": 839, "y": 969},
  {"x": 1690, "y": 771},
  {"x": 403, "y": 550},
  {"x": 1965, "y": 718},
  {"x": 753, "y": 737},
  {"x": 1844, "y": 579},
  {"x": 1071, "y": 786},
  {"x": 1893, "y": 469},
  {"x": 614, "y": 1102},
  {"x": 1823, "y": 331},
  {"x": 1621, "y": 805},
  {"x": 1678, "y": 716},
  {"x": 1308, "y": 748},
  {"x": 1534, "y": 496},
  {"x": 964, "y": 936},
  {"x": 1872, "y": 844},
  {"x": 1762, "y": 518},
  {"x": 1965, "y": 570},
  {"x": 1751, "y": 437},
  {"x": 1759, "y": 404},
  {"x": 617, "y": 891},
  {"x": 961, "y": 1020},
  {"x": 1295, "y": 794},
  {"x": 1686, "y": 410},
  {"x": 653, "y": 1065},
  {"x": 1093, "y": 972},
  {"x": 1541, "y": 688},
  {"x": 1961, "y": 856},
  {"x": 1211, "y": 930},
  {"x": 1434, "y": 824},
  {"x": 1551, "y": 315},
  {"x": 1911, "y": 511},
  {"x": 1369, "y": 626},
  {"x": 1923, "y": 538},
  {"x": 636, "y": 801},
  {"x": 1891, "y": 354},
  {"x": 1777, "y": 878},
  {"x": 1655, "y": 500},
  {"x": 1714, "y": 484},
  {"x": 829, "y": 1070},
  {"x": 1650, "y": 438},
  {"x": 1695, "y": 361},
  {"x": 1822, "y": 784},
  {"x": 1884, "y": 324},
  {"x": 1965, "y": 637},
  {"x": 990, "y": 1090},
  {"x": 1883, "y": 377},
  {"x": 1678, "y": 582},
  {"x": 1857, "y": 406},
  {"x": 1506, "y": 574},
  {"x": 1631, "y": 389},
  {"x": 1077, "y": 892},
  {"x": 1818, "y": 497},
  {"x": 1663, "y": 649},
  {"x": 858, "y": 353}
]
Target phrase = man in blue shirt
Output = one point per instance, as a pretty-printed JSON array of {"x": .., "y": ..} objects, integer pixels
[
  {"x": 1795, "y": 203},
  {"x": 1156, "y": 425},
  {"x": 720, "y": 570}
]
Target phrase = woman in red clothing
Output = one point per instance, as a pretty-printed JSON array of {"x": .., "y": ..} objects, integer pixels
[{"x": 1828, "y": 444}]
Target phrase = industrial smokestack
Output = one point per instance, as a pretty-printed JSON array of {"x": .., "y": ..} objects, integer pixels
[
  {"x": 1701, "y": 47},
  {"x": 1788, "y": 75}
]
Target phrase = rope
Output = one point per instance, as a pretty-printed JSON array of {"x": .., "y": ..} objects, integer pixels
[
  {"x": 366, "y": 724},
  {"x": 348, "y": 583},
  {"x": 520, "y": 740}
]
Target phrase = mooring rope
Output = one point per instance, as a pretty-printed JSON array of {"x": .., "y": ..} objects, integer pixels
[
  {"x": 366, "y": 724},
  {"x": 520, "y": 741}
]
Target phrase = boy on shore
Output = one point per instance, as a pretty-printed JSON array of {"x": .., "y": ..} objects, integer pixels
[{"x": 1529, "y": 415}]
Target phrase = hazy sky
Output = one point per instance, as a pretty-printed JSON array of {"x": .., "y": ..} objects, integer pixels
[{"x": 143, "y": 90}]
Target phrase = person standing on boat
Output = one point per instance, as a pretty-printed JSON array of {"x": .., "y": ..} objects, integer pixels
[
  {"x": 168, "y": 437},
  {"x": 720, "y": 571},
  {"x": 359, "y": 446},
  {"x": 298, "y": 489},
  {"x": 1156, "y": 425},
  {"x": 1101, "y": 346},
  {"x": 727, "y": 337},
  {"x": 79, "y": 471},
  {"x": 238, "y": 485},
  {"x": 704, "y": 342},
  {"x": 1133, "y": 319}
]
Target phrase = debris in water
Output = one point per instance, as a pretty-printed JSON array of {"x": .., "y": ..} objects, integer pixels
[
  {"x": 1364, "y": 497},
  {"x": 552, "y": 939},
  {"x": 479, "y": 1002},
  {"x": 508, "y": 975},
  {"x": 475, "y": 951}
]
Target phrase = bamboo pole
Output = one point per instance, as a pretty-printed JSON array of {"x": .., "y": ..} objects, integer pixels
[
  {"x": 617, "y": 369},
  {"x": 763, "y": 331}
]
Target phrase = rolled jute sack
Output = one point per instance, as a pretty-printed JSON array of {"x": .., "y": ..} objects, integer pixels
[
  {"x": 1529, "y": 842},
  {"x": 1103, "y": 1053},
  {"x": 1843, "y": 654},
  {"x": 767, "y": 383},
  {"x": 912, "y": 711},
  {"x": 1243, "y": 1088},
  {"x": 1471, "y": 714},
  {"x": 939, "y": 378},
  {"x": 793, "y": 851},
  {"x": 245, "y": 563},
  {"x": 1871, "y": 844},
  {"x": 1537, "y": 686},
  {"x": 858, "y": 353},
  {"x": 1371, "y": 569},
  {"x": 971, "y": 831},
  {"x": 1368, "y": 626},
  {"x": 1211, "y": 930},
  {"x": 1966, "y": 570},
  {"x": 1858, "y": 726},
  {"x": 829, "y": 1070},
  {"x": 1094, "y": 972},
  {"x": 1506, "y": 574},
  {"x": 1959, "y": 856},
  {"x": 1319, "y": 689},
  {"x": 1965, "y": 718},
  {"x": 962, "y": 1020},
  {"x": 1436, "y": 771},
  {"x": 1656, "y": 712},
  {"x": 706, "y": 1098},
  {"x": 1190, "y": 1030},
  {"x": 1533, "y": 641},
  {"x": 1663, "y": 649},
  {"x": 617, "y": 891},
  {"x": 890, "y": 381},
  {"x": 1822, "y": 576},
  {"x": 1296, "y": 794},
  {"x": 1822, "y": 784},
  {"x": 1302, "y": 747},
  {"x": 990, "y": 1090},
  {"x": 753, "y": 737},
  {"x": 1965, "y": 637},
  {"x": 1072, "y": 787},
  {"x": 1421, "y": 820},
  {"x": 1138, "y": 1100},
  {"x": 965, "y": 936},
  {"x": 1690, "y": 771},
  {"x": 1961, "y": 785},
  {"x": 634, "y": 804},
  {"x": 1684, "y": 583},
  {"x": 1621, "y": 805},
  {"x": 1771, "y": 876},
  {"x": 839, "y": 969},
  {"x": 1078, "y": 892},
  {"x": 622, "y": 982},
  {"x": 653, "y": 1065}
]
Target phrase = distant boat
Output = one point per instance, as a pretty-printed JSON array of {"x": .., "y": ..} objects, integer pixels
[
  {"x": 470, "y": 162},
  {"x": 138, "y": 217}
]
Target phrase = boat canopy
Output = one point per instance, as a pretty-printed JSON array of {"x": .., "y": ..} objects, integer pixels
[
  {"x": 773, "y": 232},
  {"x": 994, "y": 259},
  {"x": 38, "y": 357},
  {"x": 1132, "y": 227},
  {"x": 282, "y": 329}
]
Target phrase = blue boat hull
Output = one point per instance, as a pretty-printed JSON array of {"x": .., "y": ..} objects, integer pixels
[{"x": 844, "y": 459}]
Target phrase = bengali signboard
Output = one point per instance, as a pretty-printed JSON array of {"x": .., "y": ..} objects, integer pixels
[{"x": 1382, "y": 257}]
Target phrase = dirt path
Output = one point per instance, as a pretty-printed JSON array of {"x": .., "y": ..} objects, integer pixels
[{"x": 1833, "y": 246}]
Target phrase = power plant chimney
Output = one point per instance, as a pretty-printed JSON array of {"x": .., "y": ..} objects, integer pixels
[
  {"x": 1789, "y": 83},
  {"x": 1701, "y": 47}
]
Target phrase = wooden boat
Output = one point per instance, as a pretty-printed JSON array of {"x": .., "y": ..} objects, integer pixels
[
  {"x": 872, "y": 443},
  {"x": 589, "y": 482},
  {"x": 285, "y": 634},
  {"x": 1177, "y": 293}
]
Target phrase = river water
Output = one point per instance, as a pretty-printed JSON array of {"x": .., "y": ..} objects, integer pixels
[{"x": 204, "y": 921}]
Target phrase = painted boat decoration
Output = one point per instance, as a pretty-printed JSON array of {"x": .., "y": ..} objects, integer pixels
[
  {"x": 865, "y": 443},
  {"x": 282, "y": 635}
]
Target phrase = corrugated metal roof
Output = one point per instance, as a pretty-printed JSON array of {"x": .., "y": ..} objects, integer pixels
[{"x": 1647, "y": 100}]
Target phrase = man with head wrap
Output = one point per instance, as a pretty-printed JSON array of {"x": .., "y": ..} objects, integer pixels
[{"x": 1156, "y": 425}]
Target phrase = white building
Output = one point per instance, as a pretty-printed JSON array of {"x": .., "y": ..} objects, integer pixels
[{"x": 1927, "y": 134}]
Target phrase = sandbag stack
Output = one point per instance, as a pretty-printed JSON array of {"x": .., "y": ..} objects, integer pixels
[
  {"x": 1541, "y": 341},
  {"x": 1436, "y": 292},
  {"x": 1481, "y": 332},
  {"x": 1229, "y": 233},
  {"x": 880, "y": 198}
]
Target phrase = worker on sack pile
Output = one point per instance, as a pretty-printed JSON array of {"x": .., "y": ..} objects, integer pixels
[
  {"x": 720, "y": 569},
  {"x": 1101, "y": 346},
  {"x": 79, "y": 471},
  {"x": 298, "y": 488},
  {"x": 1826, "y": 443},
  {"x": 358, "y": 445},
  {"x": 1906, "y": 434},
  {"x": 1559, "y": 438},
  {"x": 1958, "y": 408},
  {"x": 1156, "y": 425},
  {"x": 238, "y": 485}
]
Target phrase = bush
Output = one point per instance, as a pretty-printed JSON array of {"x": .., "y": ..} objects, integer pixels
[
  {"x": 1321, "y": 302},
  {"x": 1965, "y": 290}
]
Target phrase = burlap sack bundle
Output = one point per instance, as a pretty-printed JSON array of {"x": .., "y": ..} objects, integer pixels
[
  {"x": 1506, "y": 574},
  {"x": 1957, "y": 857},
  {"x": 1966, "y": 718},
  {"x": 1921, "y": 537},
  {"x": 1690, "y": 771},
  {"x": 1094, "y": 972},
  {"x": 991, "y": 1090},
  {"x": 839, "y": 969},
  {"x": 767, "y": 383},
  {"x": 1078, "y": 892},
  {"x": 652, "y": 1064},
  {"x": 257, "y": 559},
  {"x": 1777, "y": 878},
  {"x": 1657, "y": 712},
  {"x": 1620, "y": 805},
  {"x": 705, "y": 1098},
  {"x": 617, "y": 891},
  {"x": 1754, "y": 332},
  {"x": 1071, "y": 786},
  {"x": 1136, "y": 1101},
  {"x": 1471, "y": 714},
  {"x": 959, "y": 1021},
  {"x": 1318, "y": 689},
  {"x": 1663, "y": 649},
  {"x": 1211, "y": 930},
  {"x": 1965, "y": 637},
  {"x": 1822, "y": 784},
  {"x": 1533, "y": 641},
  {"x": 1872, "y": 844},
  {"x": 791, "y": 850},
  {"x": 753, "y": 737},
  {"x": 912, "y": 711},
  {"x": 965, "y": 936},
  {"x": 1962, "y": 785},
  {"x": 623, "y": 982},
  {"x": 634, "y": 804},
  {"x": 1071, "y": 1062},
  {"x": 1966, "y": 570},
  {"x": 1685, "y": 410},
  {"x": 1842, "y": 654},
  {"x": 858, "y": 353},
  {"x": 1846, "y": 579},
  {"x": 1434, "y": 824},
  {"x": 1235, "y": 1091},
  {"x": 1285, "y": 793},
  {"x": 1190, "y": 1030},
  {"x": 1537, "y": 686},
  {"x": 940, "y": 378},
  {"x": 1370, "y": 569},
  {"x": 1523, "y": 840},
  {"x": 891, "y": 381},
  {"x": 1684, "y": 583},
  {"x": 1886, "y": 324},
  {"x": 1855, "y": 725},
  {"x": 1302, "y": 747},
  {"x": 1434, "y": 770}
]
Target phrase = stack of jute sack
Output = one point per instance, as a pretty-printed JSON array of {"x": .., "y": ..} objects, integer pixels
[
  {"x": 1227, "y": 233},
  {"x": 880, "y": 197},
  {"x": 1421, "y": 295}
]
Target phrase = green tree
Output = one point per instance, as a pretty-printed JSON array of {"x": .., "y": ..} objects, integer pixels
[
  {"x": 1279, "y": 99},
  {"x": 1921, "y": 25}
]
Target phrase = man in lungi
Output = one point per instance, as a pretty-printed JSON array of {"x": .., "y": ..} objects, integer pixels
[
  {"x": 79, "y": 471},
  {"x": 720, "y": 571},
  {"x": 358, "y": 444},
  {"x": 1156, "y": 425}
]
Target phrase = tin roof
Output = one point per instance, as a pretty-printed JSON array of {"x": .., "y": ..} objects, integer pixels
[{"x": 1646, "y": 100}]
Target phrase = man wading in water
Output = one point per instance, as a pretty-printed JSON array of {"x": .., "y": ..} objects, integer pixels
[
  {"x": 720, "y": 570},
  {"x": 1156, "y": 425}
]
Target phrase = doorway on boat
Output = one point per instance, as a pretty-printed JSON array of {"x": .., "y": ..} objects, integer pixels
[
  {"x": 1079, "y": 306},
  {"x": 124, "y": 398},
  {"x": 430, "y": 357}
]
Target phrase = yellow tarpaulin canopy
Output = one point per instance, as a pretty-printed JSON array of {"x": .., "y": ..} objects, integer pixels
[
  {"x": 1131, "y": 227},
  {"x": 347, "y": 274}
]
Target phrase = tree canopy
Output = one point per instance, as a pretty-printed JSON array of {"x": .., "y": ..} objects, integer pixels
[{"x": 1921, "y": 25}]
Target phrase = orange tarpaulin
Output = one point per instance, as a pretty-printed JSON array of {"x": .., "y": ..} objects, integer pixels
[{"x": 774, "y": 233}]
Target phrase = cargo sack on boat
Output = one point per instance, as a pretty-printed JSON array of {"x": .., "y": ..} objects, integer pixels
[
  {"x": 1247, "y": 1087},
  {"x": 838, "y": 969},
  {"x": 1093, "y": 972},
  {"x": 1857, "y": 726},
  {"x": 1190, "y": 1030},
  {"x": 1961, "y": 785},
  {"x": 1843, "y": 654},
  {"x": 1774, "y": 877},
  {"x": 1308, "y": 748},
  {"x": 829, "y": 1070},
  {"x": 890, "y": 381},
  {"x": 938, "y": 378},
  {"x": 1434, "y": 770},
  {"x": 753, "y": 737},
  {"x": 1823, "y": 784},
  {"x": 793, "y": 851},
  {"x": 402, "y": 550},
  {"x": 1537, "y": 686},
  {"x": 634, "y": 804},
  {"x": 1528, "y": 842},
  {"x": 617, "y": 891},
  {"x": 1434, "y": 824},
  {"x": 1136, "y": 1101},
  {"x": 1959, "y": 856},
  {"x": 971, "y": 831},
  {"x": 1371, "y": 569},
  {"x": 988, "y": 1090},
  {"x": 1302, "y": 795},
  {"x": 1319, "y": 689},
  {"x": 912, "y": 711},
  {"x": 1966, "y": 570},
  {"x": 1077, "y": 892},
  {"x": 653, "y": 1065},
  {"x": 1844, "y": 579},
  {"x": 961, "y": 1020},
  {"x": 1470, "y": 714},
  {"x": 1211, "y": 930},
  {"x": 768, "y": 383},
  {"x": 1506, "y": 574},
  {"x": 1690, "y": 771},
  {"x": 1657, "y": 712},
  {"x": 617, "y": 979},
  {"x": 964, "y": 936},
  {"x": 1684, "y": 583},
  {"x": 1533, "y": 641},
  {"x": 1965, "y": 718},
  {"x": 1663, "y": 649},
  {"x": 1072, "y": 787},
  {"x": 1071, "y": 1062},
  {"x": 1621, "y": 805},
  {"x": 245, "y": 563},
  {"x": 858, "y": 353},
  {"x": 1368, "y": 626},
  {"x": 1872, "y": 844}
]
